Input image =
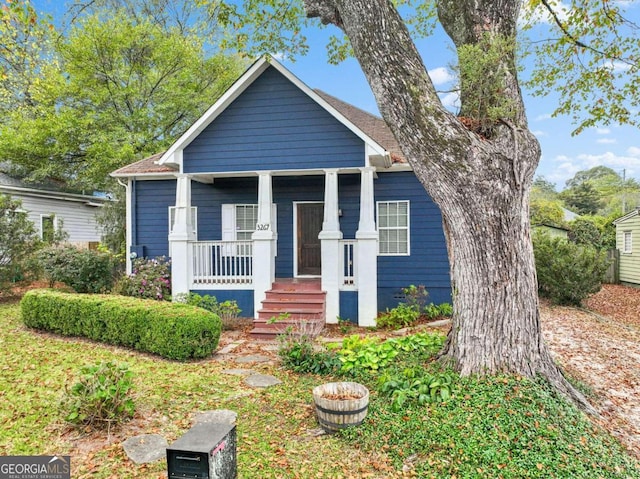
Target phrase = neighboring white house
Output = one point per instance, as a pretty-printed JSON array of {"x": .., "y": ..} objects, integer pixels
[{"x": 50, "y": 210}]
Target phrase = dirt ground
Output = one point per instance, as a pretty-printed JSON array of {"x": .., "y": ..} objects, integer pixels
[{"x": 600, "y": 346}]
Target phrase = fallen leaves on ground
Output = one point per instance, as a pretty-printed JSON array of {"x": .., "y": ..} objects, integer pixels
[{"x": 601, "y": 347}]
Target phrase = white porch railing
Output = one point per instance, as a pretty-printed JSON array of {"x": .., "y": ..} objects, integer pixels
[
  {"x": 348, "y": 263},
  {"x": 222, "y": 262}
]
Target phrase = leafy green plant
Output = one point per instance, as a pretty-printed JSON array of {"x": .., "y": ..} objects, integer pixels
[
  {"x": 84, "y": 270},
  {"x": 369, "y": 354},
  {"x": 567, "y": 272},
  {"x": 228, "y": 311},
  {"x": 101, "y": 397},
  {"x": 284, "y": 316},
  {"x": 344, "y": 325},
  {"x": 401, "y": 316},
  {"x": 17, "y": 237},
  {"x": 433, "y": 311},
  {"x": 416, "y": 384},
  {"x": 298, "y": 352},
  {"x": 150, "y": 278},
  {"x": 416, "y": 296}
]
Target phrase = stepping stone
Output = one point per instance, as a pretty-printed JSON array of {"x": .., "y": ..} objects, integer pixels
[
  {"x": 239, "y": 372},
  {"x": 253, "y": 358},
  {"x": 262, "y": 381},
  {"x": 231, "y": 346},
  {"x": 270, "y": 347},
  {"x": 145, "y": 448},
  {"x": 219, "y": 416}
]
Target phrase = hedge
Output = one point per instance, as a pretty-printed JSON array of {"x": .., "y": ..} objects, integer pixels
[{"x": 171, "y": 330}]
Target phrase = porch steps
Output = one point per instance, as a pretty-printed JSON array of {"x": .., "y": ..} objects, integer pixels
[{"x": 288, "y": 302}]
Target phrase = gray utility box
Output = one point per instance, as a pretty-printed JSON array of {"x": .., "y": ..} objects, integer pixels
[{"x": 207, "y": 450}]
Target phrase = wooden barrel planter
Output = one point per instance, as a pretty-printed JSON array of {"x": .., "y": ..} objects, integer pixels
[{"x": 340, "y": 405}]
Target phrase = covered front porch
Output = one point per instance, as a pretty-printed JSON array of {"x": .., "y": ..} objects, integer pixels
[{"x": 345, "y": 268}]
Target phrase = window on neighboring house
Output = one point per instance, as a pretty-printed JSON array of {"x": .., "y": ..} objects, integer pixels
[
  {"x": 393, "y": 227},
  {"x": 47, "y": 228},
  {"x": 627, "y": 242},
  {"x": 194, "y": 219}
]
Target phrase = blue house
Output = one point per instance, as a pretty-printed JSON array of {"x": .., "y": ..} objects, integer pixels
[{"x": 279, "y": 188}]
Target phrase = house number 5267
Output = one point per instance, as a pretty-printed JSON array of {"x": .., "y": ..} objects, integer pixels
[{"x": 262, "y": 226}]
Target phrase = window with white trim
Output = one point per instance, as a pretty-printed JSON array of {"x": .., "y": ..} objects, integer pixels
[
  {"x": 627, "y": 242},
  {"x": 246, "y": 219},
  {"x": 47, "y": 228},
  {"x": 393, "y": 228},
  {"x": 194, "y": 219}
]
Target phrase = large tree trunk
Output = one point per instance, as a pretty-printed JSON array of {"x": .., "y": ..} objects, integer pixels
[{"x": 480, "y": 184}]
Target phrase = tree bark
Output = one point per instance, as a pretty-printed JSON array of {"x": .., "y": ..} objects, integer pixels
[{"x": 481, "y": 185}]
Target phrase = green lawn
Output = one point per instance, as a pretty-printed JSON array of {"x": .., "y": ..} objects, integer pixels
[{"x": 492, "y": 428}]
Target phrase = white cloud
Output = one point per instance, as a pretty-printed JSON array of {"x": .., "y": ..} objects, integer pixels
[
  {"x": 603, "y": 131},
  {"x": 545, "y": 116},
  {"x": 451, "y": 100},
  {"x": 606, "y": 141},
  {"x": 539, "y": 133},
  {"x": 542, "y": 15},
  {"x": 565, "y": 167},
  {"x": 633, "y": 151},
  {"x": 441, "y": 76}
]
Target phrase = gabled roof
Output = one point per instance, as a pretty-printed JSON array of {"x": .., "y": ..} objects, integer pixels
[
  {"x": 147, "y": 167},
  {"x": 372, "y": 125},
  {"x": 370, "y": 128},
  {"x": 174, "y": 154},
  {"x": 629, "y": 215}
]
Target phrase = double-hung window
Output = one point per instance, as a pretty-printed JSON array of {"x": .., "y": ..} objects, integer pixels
[
  {"x": 627, "y": 242},
  {"x": 393, "y": 228}
]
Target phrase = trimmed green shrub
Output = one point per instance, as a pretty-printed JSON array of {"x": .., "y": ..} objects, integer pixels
[
  {"x": 174, "y": 331},
  {"x": 101, "y": 397},
  {"x": 567, "y": 272},
  {"x": 86, "y": 271}
]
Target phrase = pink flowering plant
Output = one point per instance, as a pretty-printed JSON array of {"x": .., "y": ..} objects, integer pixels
[{"x": 150, "y": 278}]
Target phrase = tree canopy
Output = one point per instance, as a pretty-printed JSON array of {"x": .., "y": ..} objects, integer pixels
[{"x": 122, "y": 87}]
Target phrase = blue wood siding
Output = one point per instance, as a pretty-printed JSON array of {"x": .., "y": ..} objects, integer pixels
[
  {"x": 428, "y": 263},
  {"x": 273, "y": 125},
  {"x": 151, "y": 215},
  {"x": 244, "y": 298}
]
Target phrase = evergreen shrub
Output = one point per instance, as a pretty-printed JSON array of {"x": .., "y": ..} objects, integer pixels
[
  {"x": 567, "y": 273},
  {"x": 173, "y": 331}
]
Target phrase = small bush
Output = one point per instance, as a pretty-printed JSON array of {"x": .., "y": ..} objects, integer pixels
[
  {"x": 150, "y": 278},
  {"x": 567, "y": 272},
  {"x": 401, "y": 316},
  {"x": 297, "y": 350},
  {"x": 433, "y": 311},
  {"x": 174, "y": 331},
  {"x": 228, "y": 311},
  {"x": 85, "y": 271},
  {"x": 101, "y": 397},
  {"x": 17, "y": 241}
]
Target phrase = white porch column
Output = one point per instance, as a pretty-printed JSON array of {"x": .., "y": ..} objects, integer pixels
[
  {"x": 367, "y": 252},
  {"x": 180, "y": 236},
  {"x": 264, "y": 258},
  {"x": 330, "y": 237}
]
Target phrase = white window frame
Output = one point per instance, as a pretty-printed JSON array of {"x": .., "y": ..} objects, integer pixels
[
  {"x": 54, "y": 218},
  {"x": 627, "y": 246},
  {"x": 194, "y": 220},
  {"x": 407, "y": 228}
]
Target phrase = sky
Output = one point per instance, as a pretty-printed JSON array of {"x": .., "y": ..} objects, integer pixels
[{"x": 617, "y": 147}]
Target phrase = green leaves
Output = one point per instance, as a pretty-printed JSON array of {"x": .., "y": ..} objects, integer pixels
[
  {"x": 101, "y": 397},
  {"x": 589, "y": 53}
]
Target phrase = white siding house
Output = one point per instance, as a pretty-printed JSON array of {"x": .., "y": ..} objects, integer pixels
[{"x": 74, "y": 213}]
